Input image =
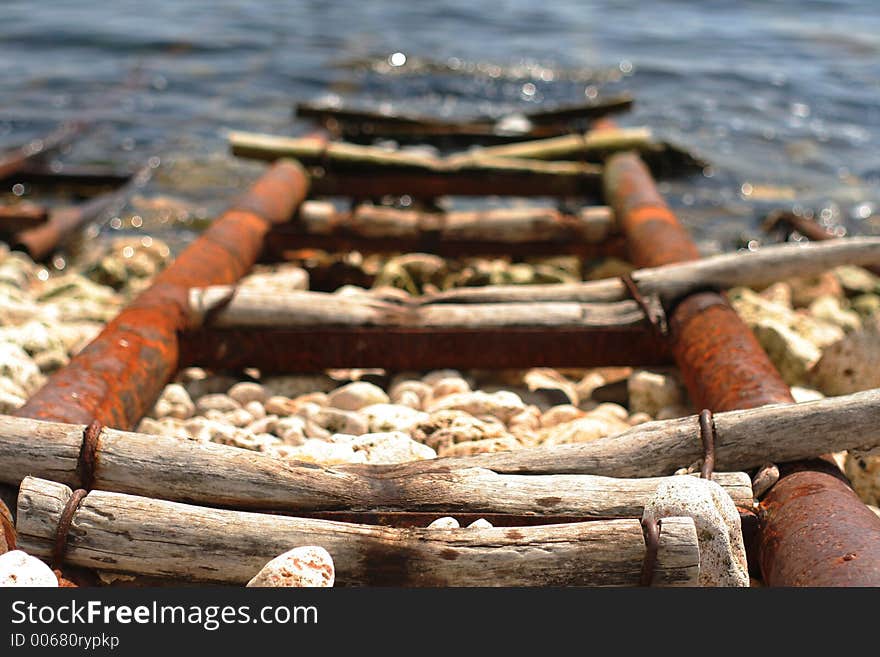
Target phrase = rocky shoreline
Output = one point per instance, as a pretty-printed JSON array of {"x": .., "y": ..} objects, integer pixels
[{"x": 822, "y": 333}]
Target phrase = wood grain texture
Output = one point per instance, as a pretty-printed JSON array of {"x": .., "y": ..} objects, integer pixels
[
  {"x": 220, "y": 475},
  {"x": 255, "y": 308},
  {"x": 126, "y": 533},
  {"x": 672, "y": 282}
]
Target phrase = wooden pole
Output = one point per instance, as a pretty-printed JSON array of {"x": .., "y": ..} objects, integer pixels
[
  {"x": 220, "y": 475},
  {"x": 125, "y": 533}
]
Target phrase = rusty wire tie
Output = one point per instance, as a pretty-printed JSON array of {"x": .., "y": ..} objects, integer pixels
[
  {"x": 708, "y": 435},
  {"x": 651, "y": 529},
  {"x": 657, "y": 321},
  {"x": 64, "y": 523},
  {"x": 88, "y": 452}
]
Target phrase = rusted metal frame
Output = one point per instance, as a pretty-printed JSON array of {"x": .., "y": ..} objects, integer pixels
[
  {"x": 16, "y": 159},
  {"x": 430, "y": 185},
  {"x": 399, "y": 348},
  {"x": 806, "y": 227},
  {"x": 724, "y": 368},
  {"x": 119, "y": 375},
  {"x": 40, "y": 241},
  {"x": 283, "y": 238},
  {"x": 79, "y": 176}
]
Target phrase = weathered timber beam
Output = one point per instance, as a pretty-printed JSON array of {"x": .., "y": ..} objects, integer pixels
[
  {"x": 126, "y": 533},
  {"x": 221, "y": 475}
]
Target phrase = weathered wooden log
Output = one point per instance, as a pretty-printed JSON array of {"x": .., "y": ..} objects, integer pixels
[
  {"x": 246, "y": 307},
  {"x": 126, "y": 533},
  {"x": 220, "y": 475},
  {"x": 568, "y": 146},
  {"x": 745, "y": 439},
  {"x": 315, "y": 151},
  {"x": 430, "y": 125},
  {"x": 672, "y": 282},
  {"x": 503, "y": 225},
  {"x": 505, "y": 231}
]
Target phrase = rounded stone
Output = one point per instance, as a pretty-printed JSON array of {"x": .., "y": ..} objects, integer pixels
[{"x": 301, "y": 567}]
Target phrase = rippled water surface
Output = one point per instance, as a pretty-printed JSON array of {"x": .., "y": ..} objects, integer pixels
[{"x": 782, "y": 98}]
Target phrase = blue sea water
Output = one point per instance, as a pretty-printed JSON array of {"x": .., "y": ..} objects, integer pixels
[{"x": 783, "y": 97}]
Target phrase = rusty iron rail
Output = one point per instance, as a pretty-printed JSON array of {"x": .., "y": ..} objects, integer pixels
[
  {"x": 18, "y": 158},
  {"x": 814, "y": 529},
  {"x": 806, "y": 227},
  {"x": 400, "y": 348},
  {"x": 119, "y": 375}
]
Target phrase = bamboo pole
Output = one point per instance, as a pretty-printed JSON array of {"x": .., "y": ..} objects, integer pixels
[
  {"x": 220, "y": 475},
  {"x": 125, "y": 533}
]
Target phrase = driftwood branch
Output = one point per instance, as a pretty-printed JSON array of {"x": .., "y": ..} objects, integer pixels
[
  {"x": 316, "y": 151},
  {"x": 254, "y": 308},
  {"x": 587, "y": 144},
  {"x": 125, "y": 533},
  {"x": 220, "y": 475},
  {"x": 503, "y": 225},
  {"x": 745, "y": 439},
  {"x": 671, "y": 282}
]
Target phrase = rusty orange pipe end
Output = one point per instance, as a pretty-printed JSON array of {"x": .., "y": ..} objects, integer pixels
[{"x": 119, "y": 375}]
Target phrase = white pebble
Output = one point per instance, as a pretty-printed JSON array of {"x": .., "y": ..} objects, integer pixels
[
  {"x": 447, "y": 522},
  {"x": 307, "y": 566},
  {"x": 20, "y": 569},
  {"x": 480, "y": 523},
  {"x": 719, "y": 532}
]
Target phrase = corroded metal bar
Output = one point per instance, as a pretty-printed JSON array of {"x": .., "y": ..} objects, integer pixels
[
  {"x": 120, "y": 374},
  {"x": 428, "y": 185},
  {"x": 399, "y": 348},
  {"x": 806, "y": 227},
  {"x": 815, "y": 531},
  {"x": 653, "y": 233},
  {"x": 802, "y": 542},
  {"x": 20, "y": 157},
  {"x": 283, "y": 240}
]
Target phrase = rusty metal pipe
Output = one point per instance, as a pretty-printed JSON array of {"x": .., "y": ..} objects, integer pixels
[
  {"x": 398, "y": 348},
  {"x": 119, "y": 375},
  {"x": 814, "y": 530}
]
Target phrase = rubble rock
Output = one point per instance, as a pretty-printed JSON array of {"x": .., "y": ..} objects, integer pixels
[
  {"x": 392, "y": 447},
  {"x": 792, "y": 355},
  {"x": 20, "y": 569},
  {"x": 446, "y": 522},
  {"x": 391, "y": 417},
  {"x": 247, "y": 391},
  {"x": 829, "y": 309},
  {"x": 719, "y": 532},
  {"x": 307, "y": 566},
  {"x": 502, "y": 404},
  {"x": 651, "y": 391},
  {"x": 850, "y": 365},
  {"x": 355, "y": 396}
]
